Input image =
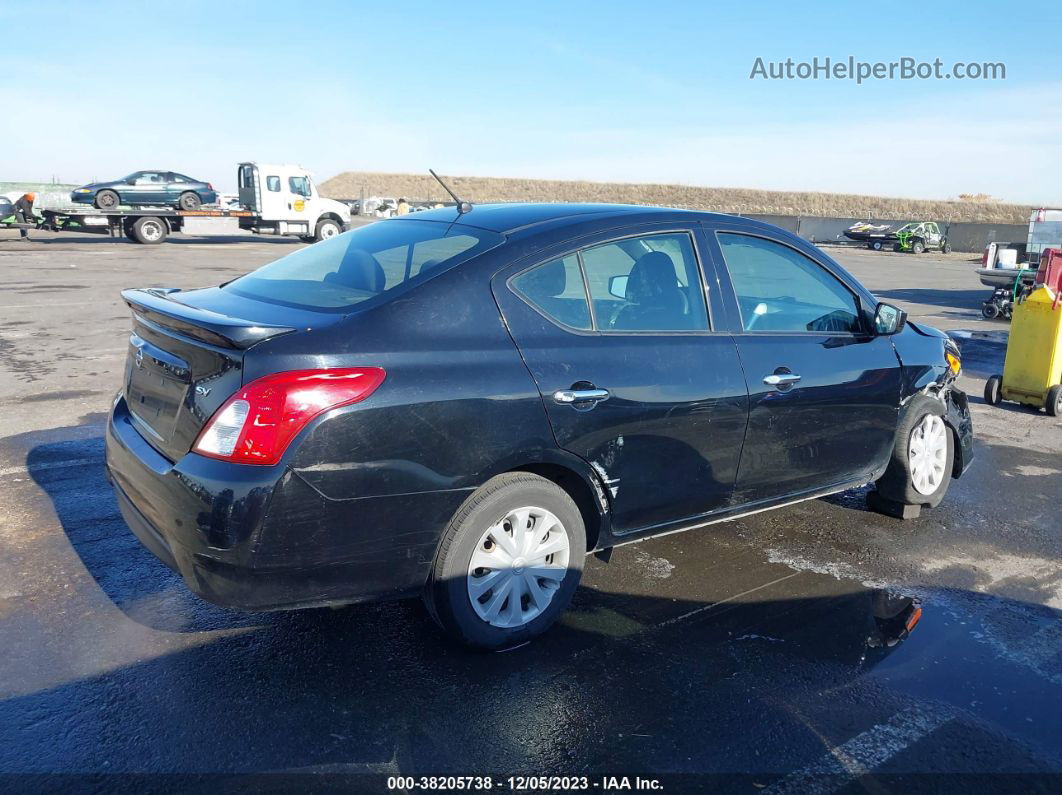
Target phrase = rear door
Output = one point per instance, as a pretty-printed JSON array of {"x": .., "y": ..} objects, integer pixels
[
  {"x": 632, "y": 375},
  {"x": 824, "y": 392}
]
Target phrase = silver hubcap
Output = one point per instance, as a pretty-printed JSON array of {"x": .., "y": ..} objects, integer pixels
[
  {"x": 328, "y": 230},
  {"x": 151, "y": 231},
  {"x": 928, "y": 453},
  {"x": 517, "y": 567}
]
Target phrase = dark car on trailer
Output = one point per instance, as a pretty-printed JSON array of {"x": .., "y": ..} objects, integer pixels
[
  {"x": 147, "y": 188},
  {"x": 463, "y": 405}
]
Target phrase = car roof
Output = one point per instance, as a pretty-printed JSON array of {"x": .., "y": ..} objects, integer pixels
[{"x": 508, "y": 218}]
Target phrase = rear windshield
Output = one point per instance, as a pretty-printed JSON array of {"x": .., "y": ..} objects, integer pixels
[{"x": 346, "y": 270}]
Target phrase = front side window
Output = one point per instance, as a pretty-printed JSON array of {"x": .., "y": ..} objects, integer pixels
[
  {"x": 556, "y": 289},
  {"x": 649, "y": 283},
  {"x": 336, "y": 274},
  {"x": 300, "y": 186},
  {"x": 781, "y": 290},
  {"x": 149, "y": 178}
]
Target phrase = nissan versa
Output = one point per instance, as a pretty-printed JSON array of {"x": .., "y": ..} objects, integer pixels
[{"x": 462, "y": 405}]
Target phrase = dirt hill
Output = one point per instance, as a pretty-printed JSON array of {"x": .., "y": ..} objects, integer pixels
[{"x": 416, "y": 187}]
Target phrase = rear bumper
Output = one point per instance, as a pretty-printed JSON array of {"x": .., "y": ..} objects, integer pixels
[{"x": 261, "y": 538}]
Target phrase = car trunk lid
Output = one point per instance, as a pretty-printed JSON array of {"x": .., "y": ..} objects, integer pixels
[{"x": 185, "y": 358}]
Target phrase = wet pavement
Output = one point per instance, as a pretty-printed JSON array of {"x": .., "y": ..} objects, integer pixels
[{"x": 769, "y": 653}]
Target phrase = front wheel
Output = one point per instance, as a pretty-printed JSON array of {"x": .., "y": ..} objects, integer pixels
[
  {"x": 923, "y": 456},
  {"x": 106, "y": 200},
  {"x": 326, "y": 229},
  {"x": 509, "y": 562},
  {"x": 946, "y": 248},
  {"x": 990, "y": 310}
]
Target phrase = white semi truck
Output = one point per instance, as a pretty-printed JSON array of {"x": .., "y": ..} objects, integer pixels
[{"x": 273, "y": 200}]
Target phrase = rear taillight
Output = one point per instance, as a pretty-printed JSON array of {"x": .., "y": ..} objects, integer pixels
[{"x": 256, "y": 425}]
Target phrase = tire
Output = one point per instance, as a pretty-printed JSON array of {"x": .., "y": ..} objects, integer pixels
[
  {"x": 994, "y": 390},
  {"x": 326, "y": 228},
  {"x": 990, "y": 310},
  {"x": 488, "y": 513},
  {"x": 918, "y": 247},
  {"x": 106, "y": 200},
  {"x": 899, "y": 481},
  {"x": 946, "y": 248},
  {"x": 127, "y": 230},
  {"x": 876, "y": 245},
  {"x": 1053, "y": 404},
  {"x": 870, "y": 246},
  {"x": 150, "y": 230},
  {"x": 189, "y": 201}
]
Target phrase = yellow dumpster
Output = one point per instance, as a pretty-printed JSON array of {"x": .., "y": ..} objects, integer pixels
[{"x": 1032, "y": 372}]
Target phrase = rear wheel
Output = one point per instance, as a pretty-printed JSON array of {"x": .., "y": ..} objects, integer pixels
[
  {"x": 508, "y": 563},
  {"x": 1053, "y": 404},
  {"x": 994, "y": 390},
  {"x": 150, "y": 230},
  {"x": 326, "y": 228},
  {"x": 876, "y": 245},
  {"x": 918, "y": 247},
  {"x": 189, "y": 201},
  {"x": 106, "y": 200},
  {"x": 923, "y": 455},
  {"x": 990, "y": 310}
]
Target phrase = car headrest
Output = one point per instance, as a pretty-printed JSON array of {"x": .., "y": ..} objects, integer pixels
[
  {"x": 652, "y": 276},
  {"x": 360, "y": 270}
]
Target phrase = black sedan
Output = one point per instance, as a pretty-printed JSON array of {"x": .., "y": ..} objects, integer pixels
[
  {"x": 153, "y": 188},
  {"x": 461, "y": 406}
]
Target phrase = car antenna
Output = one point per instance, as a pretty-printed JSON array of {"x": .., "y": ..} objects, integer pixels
[{"x": 462, "y": 206}]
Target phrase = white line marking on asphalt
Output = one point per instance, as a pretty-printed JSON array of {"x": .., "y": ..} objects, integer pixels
[
  {"x": 73, "y": 462},
  {"x": 703, "y": 608},
  {"x": 864, "y": 752}
]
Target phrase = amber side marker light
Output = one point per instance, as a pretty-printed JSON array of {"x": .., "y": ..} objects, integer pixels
[{"x": 913, "y": 619}]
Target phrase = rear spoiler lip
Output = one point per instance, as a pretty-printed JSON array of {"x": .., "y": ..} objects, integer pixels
[{"x": 155, "y": 305}]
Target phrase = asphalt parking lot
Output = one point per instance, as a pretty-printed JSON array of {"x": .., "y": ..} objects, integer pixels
[{"x": 739, "y": 651}]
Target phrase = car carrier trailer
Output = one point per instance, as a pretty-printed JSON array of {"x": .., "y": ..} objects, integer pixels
[
  {"x": 273, "y": 200},
  {"x": 140, "y": 224}
]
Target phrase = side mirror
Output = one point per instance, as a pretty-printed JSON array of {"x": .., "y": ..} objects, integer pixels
[
  {"x": 617, "y": 286},
  {"x": 888, "y": 319}
]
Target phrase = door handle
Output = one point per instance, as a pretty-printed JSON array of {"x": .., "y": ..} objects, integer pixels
[
  {"x": 781, "y": 379},
  {"x": 580, "y": 395}
]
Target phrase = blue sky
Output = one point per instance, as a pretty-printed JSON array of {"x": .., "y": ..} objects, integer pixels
[{"x": 638, "y": 92}]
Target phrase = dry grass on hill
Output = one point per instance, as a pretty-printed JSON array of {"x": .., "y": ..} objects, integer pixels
[{"x": 355, "y": 184}]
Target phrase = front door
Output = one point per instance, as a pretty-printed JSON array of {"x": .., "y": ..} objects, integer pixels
[
  {"x": 149, "y": 187},
  {"x": 633, "y": 380},
  {"x": 823, "y": 390}
]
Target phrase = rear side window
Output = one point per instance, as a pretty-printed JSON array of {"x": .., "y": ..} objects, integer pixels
[
  {"x": 337, "y": 274},
  {"x": 556, "y": 289},
  {"x": 273, "y": 184},
  {"x": 781, "y": 290}
]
